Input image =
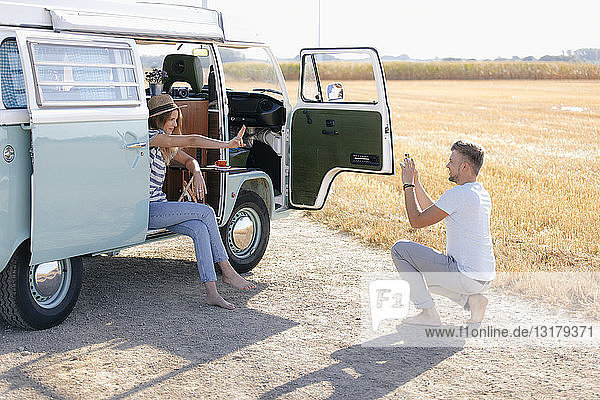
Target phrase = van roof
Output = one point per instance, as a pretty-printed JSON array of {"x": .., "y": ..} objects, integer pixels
[{"x": 143, "y": 19}]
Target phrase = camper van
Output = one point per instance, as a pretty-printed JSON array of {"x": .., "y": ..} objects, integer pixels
[{"x": 74, "y": 172}]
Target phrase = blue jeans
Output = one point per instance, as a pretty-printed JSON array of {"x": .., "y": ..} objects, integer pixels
[{"x": 196, "y": 221}]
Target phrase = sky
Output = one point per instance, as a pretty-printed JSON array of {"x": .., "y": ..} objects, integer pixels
[{"x": 422, "y": 29}]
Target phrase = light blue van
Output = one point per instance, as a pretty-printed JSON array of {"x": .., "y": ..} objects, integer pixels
[{"x": 74, "y": 171}]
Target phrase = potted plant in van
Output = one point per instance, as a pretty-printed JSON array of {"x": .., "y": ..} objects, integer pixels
[{"x": 155, "y": 80}]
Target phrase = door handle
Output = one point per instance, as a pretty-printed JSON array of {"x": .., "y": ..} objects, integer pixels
[
  {"x": 326, "y": 132},
  {"x": 136, "y": 145}
]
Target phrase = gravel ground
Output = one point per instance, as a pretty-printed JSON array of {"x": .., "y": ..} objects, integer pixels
[{"x": 141, "y": 330}]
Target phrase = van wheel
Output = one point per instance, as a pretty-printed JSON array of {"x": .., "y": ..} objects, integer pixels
[
  {"x": 38, "y": 296},
  {"x": 246, "y": 234}
]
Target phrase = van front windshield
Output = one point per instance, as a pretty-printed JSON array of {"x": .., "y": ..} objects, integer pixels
[{"x": 250, "y": 69}]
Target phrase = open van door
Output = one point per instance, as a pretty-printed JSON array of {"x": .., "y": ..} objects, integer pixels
[
  {"x": 341, "y": 122},
  {"x": 89, "y": 134}
]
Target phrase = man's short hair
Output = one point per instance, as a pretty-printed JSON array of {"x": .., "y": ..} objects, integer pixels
[{"x": 472, "y": 152}]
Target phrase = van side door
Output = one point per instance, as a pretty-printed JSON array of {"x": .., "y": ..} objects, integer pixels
[
  {"x": 89, "y": 134},
  {"x": 341, "y": 122}
]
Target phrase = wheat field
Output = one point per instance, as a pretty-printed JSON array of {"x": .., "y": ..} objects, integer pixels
[
  {"x": 542, "y": 170},
  {"x": 410, "y": 70}
]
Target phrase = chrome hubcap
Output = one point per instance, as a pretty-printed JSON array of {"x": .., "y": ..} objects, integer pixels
[
  {"x": 244, "y": 232},
  {"x": 49, "y": 282}
]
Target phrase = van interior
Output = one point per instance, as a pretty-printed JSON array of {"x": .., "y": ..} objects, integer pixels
[{"x": 254, "y": 97}]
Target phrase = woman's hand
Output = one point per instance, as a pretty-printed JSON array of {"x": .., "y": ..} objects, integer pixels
[
  {"x": 199, "y": 186},
  {"x": 237, "y": 141}
]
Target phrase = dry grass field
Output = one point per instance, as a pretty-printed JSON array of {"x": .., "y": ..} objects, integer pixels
[
  {"x": 542, "y": 171},
  {"x": 410, "y": 70}
]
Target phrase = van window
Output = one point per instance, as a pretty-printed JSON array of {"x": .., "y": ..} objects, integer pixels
[
  {"x": 85, "y": 75},
  {"x": 311, "y": 91},
  {"x": 350, "y": 72},
  {"x": 11, "y": 76},
  {"x": 250, "y": 70}
]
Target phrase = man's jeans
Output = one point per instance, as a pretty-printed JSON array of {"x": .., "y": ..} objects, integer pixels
[
  {"x": 428, "y": 270},
  {"x": 196, "y": 221}
]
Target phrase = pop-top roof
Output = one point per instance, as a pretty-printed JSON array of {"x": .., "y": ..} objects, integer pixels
[{"x": 131, "y": 18}]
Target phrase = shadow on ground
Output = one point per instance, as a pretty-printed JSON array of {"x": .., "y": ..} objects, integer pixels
[
  {"x": 127, "y": 302},
  {"x": 374, "y": 368},
  {"x": 155, "y": 309}
]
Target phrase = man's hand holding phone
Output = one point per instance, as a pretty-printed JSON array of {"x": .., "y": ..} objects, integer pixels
[{"x": 410, "y": 175}]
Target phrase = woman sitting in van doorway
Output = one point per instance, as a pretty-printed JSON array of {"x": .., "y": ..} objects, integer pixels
[{"x": 192, "y": 219}]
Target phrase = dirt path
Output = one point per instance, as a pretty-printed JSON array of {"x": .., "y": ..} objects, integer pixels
[{"x": 141, "y": 330}]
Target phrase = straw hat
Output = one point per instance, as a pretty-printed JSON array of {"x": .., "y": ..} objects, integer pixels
[{"x": 161, "y": 104}]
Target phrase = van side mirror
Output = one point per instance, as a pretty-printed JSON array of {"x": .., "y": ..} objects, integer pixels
[{"x": 335, "y": 91}]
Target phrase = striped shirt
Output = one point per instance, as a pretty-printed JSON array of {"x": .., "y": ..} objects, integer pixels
[{"x": 157, "y": 169}]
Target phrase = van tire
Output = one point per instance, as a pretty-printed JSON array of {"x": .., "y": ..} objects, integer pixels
[
  {"x": 19, "y": 308},
  {"x": 249, "y": 210}
]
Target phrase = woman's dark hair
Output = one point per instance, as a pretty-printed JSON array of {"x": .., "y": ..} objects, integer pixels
[{"x": 472, "y": 152}]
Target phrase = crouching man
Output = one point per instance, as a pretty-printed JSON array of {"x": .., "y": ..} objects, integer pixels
[{"x": 468, "y": 267}]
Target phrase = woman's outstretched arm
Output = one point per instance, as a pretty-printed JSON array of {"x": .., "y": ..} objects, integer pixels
[{"x": 204, "y": 142}]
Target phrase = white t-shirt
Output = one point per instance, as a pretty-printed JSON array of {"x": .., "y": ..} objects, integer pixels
[{"x": 468, "y": 237}]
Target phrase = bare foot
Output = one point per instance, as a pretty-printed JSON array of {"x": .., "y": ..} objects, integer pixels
[
  {"x": 477, "y": 303},
  {"x": 237, "y": 281},
  {"x": 231, "y": 277},
  {"x": 217, "y": 300},
  {"x": 214, "y": 298},
  {"x": 428, "y": 317}
]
